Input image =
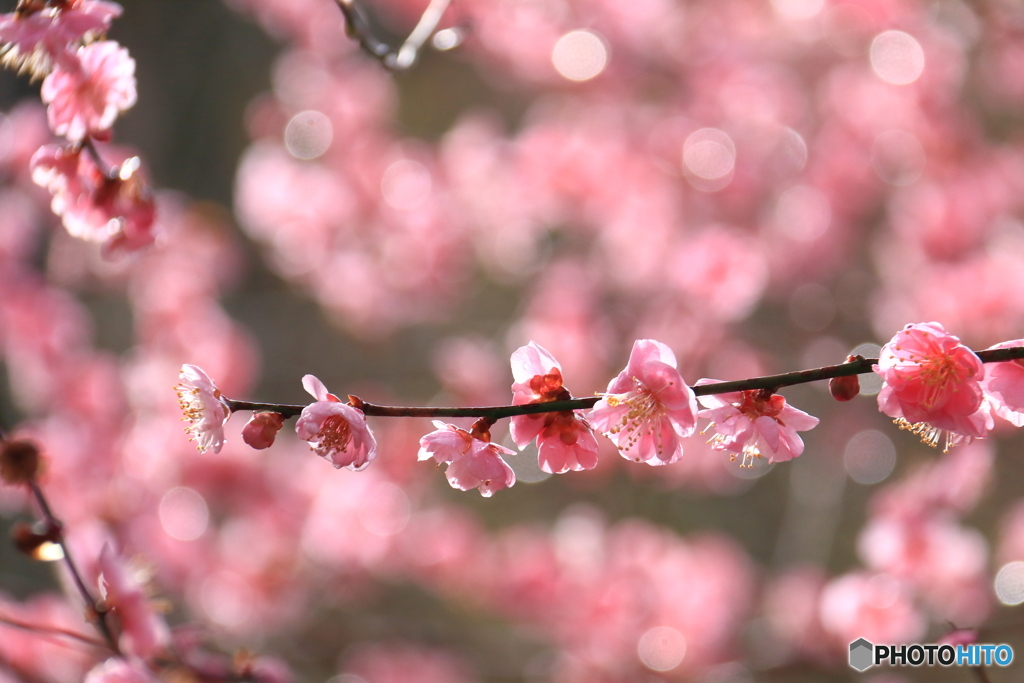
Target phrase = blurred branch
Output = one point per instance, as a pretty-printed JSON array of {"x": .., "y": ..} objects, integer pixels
[
  {"x": 100, "y": 615},
  {"x": 405, "y": 56},
  {"x": 53, "y": 633},
  {"x": 860, "y": 366}
]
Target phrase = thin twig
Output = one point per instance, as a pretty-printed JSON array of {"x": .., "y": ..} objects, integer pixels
[
  {"x": 770, "y": 382},
  {"x": 76, "y": 577},
  {"x": 405, "y": 56},
  {"x": 54, "y": 633}
]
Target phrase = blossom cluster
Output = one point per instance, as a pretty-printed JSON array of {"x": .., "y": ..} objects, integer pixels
[
  {"x": 87, "y": 83},
  {"x": 932, "y": 385}
]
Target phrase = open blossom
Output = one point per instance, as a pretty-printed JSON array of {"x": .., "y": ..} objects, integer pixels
[
  {"x": 648, "y": 409},
  {"x": 204, "y": 408},
  {"x": 86, "y": 96},
  {"x": 115, "y": 209},
  {"x": 336, "y": 431},
  {"x": 932, "y": 385},
  {"x": 36, "y": 35},
  {"x": 753, "y": 423},
  {"x": 472, "y": 463},
  {"x": 1004, "y": 386},
  {"x": 564, "y": 439}
]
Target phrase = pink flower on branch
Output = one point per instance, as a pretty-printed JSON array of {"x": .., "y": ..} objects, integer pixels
[
  {"x": 336, "y": 431},
  {"x": 473, "y": 462},
  {"x": 648, "y": 409},
  {"x": 932, "y": 385},
  {"x": 1004, "y": 386},
  {"x": 86, "y": 94},
  {"x": 204, "y": 408},
  {"x": 37, "y": 33},
  {"x": 748, "y": 423},
  {"x": 564, "y": 439}
]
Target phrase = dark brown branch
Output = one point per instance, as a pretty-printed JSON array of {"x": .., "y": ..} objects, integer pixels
[{"x": 770, "y": 382}]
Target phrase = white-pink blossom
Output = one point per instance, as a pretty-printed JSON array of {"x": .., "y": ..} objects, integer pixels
[
  {"x": 86, "y": 95},
  {"x": 648, "y": 409},
  {"x": 204, "y": 408},
  {"x": 472, "y": 463},
  {"x": 752, "y": 423},
  {"x": 336, "y": 431}
]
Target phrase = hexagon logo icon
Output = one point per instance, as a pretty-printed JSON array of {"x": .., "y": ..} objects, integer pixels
[{"x": 861, "y": 654}]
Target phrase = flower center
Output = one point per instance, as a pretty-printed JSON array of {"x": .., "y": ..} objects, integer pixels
[
  {"x": 335, "y": 435},
  {"x": 644, "y": 415}
]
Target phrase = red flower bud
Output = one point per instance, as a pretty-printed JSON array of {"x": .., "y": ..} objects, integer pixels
[
  {"x": 844, "y": 388},
  {"x": 261, "y": 429}
]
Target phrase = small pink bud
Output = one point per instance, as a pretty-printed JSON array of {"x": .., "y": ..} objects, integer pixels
[
  {"x": 260, "y": 430},
  {"x": 844, "y": 388}
]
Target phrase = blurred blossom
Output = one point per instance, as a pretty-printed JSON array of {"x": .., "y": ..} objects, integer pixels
[
  {"x": 798, "y": 10},
  {"x": 897, "y": 57},
  {"x": 802, "y": 213},
  {"x": 897, "y": 157},
  {"x": 406, "y": 184}
]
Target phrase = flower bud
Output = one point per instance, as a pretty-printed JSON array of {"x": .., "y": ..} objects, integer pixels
[
  {"x": 261, "y": 429},
  {"x": 844, "y": 388},
  {"x": 19, "y": 461}
]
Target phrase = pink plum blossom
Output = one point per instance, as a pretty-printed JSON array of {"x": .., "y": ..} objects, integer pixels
[
  {"x": 564, "y": 439},
  {"x": 873, "y": 606},
  {"x": 113, "y": 208},
  {"x": 751, "y": 422},
  {"x": 35, "y": 35},
  {"x": 261, "y": 429},
  {"x": 932, "y": 385},
  {"x": 473, "y": 463},
  {"x": 1004, "y": 386},
  {"x": 648, "y": 409},
  {"x": 204, "y": 408},
  {"x": 143, "y": 632},
  {"x": 86, "y": 96},
  {"x": 336, "y": 431}
]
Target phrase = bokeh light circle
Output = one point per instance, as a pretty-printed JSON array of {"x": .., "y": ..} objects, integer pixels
[
  {"x": 662, "y": 648},
  {"x": 870, "y": 382},
  {"x": 1009, "y": 584},
  {"x": 308, "y": 135},
  {"x": 897, "y": 57},
  {"x": 183, "y": 514},
  {"x": 580, "y": 55},
  {"x": 709, "y": 158},
  {"x": 870, "y": 457}
]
